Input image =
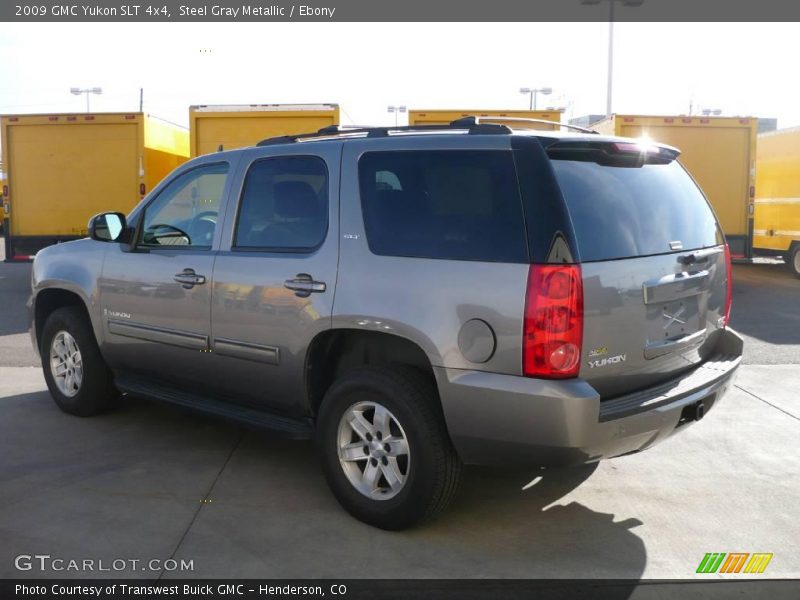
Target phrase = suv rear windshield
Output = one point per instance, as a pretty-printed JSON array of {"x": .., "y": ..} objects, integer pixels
[
  {"x": 449, "y": 204},
  {"x": 621, "y": 212}
]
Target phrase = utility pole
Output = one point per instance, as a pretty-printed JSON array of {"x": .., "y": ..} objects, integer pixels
[
  {"x": 611, "y": 11},
  {"x": 609, "y": 84}
]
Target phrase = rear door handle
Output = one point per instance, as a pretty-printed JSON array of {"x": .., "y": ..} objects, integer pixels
[
  {"x": 699, "y": 256},
  {"x": 304, "y": 285},
  {"x": 188, "y": 278}
]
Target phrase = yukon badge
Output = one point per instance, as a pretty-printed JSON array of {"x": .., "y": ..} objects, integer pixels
[{"x": 611, "y": 360}]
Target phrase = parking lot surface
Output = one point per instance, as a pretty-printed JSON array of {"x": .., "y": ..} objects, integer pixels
[{"x": 151, "y": 482}]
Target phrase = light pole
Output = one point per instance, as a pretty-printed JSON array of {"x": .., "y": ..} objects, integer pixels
[
  {"x": 533, "y": 94},
  {"x": 396, "y": 110},
  {"x": 611, "y": 5},
  {"x": 78, "y": 91}
]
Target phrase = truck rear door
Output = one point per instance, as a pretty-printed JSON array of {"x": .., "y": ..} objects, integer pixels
[
  {"x": 652, "y": 259},
  {"x": 62, "y": 174}
]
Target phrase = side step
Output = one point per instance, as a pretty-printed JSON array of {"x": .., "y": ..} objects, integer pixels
[{"x": 293, "y": 428}]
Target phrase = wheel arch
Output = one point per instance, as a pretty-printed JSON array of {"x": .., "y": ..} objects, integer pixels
[
  {"x": 50, "y": 299},
  {"x": 354, "y": 348}
]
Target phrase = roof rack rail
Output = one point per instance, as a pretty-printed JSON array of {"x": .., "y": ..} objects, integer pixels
[
  {"x": 372, "y": 132},
  {"x": 464, "y": 121}
]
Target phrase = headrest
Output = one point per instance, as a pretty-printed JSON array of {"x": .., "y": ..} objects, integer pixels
[{"x": 296, "y": 200}]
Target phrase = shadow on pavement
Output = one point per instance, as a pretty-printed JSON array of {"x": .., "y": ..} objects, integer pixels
[
  {"x": 15, "y": 287},
  {"x": 150, "y": 481},
  {"x": 765, "y": 302},
  {"x": 545, "y": 535}
]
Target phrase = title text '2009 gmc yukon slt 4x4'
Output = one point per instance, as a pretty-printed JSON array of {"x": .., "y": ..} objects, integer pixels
[{"x": 414, "y": 298}]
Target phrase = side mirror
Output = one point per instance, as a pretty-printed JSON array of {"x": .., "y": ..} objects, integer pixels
[{"x": 108, "y": 227}]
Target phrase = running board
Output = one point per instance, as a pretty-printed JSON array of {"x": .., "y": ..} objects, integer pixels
[{"x": 293, "y": 428}]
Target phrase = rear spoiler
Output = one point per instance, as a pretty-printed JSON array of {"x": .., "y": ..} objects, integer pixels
[{"x": 613, "y": 153}]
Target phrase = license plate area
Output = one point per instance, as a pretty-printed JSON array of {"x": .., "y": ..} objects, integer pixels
[{"x": 674, "y": 327}]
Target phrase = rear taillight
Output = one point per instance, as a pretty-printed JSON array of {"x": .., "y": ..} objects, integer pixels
[
  {"x": 553, "y": 327},
  {"x": 726, "y": 316}
]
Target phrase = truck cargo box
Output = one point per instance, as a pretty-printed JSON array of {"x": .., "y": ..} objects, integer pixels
[
  {"x": 443, "y": 117},
  {"x": 63, "y": 168},
  {"x": 226, "y": 127},
  {"x": 719, "y": 152},
  {"x": 777, "y": 219}
]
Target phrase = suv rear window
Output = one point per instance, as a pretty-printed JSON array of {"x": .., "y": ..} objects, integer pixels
[
  {"x": 449, "y": 204},
  {"x": 621, "y": 212}
]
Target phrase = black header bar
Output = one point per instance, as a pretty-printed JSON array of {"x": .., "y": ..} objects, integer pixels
[{"x": 187, "y": 11}]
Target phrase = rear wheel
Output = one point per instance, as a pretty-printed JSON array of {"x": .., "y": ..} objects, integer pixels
[
  {"x": 385, "y": 449},
  {"x": 74, "y": 370},
  {"x": 794, "y": 260}
]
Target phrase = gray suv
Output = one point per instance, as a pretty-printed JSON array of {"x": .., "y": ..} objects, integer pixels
[{"x": 413, "y": 298}]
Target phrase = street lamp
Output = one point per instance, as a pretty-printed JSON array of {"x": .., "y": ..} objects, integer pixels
[
  {"x": 396, "y": 110},
  {"x": 78, "y": 91},
  {"x": 611, "y": 5},
  {"x": 533, "y": 94}
]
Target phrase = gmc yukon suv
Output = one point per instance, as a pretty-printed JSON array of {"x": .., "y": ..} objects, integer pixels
[{"x": 413, "y": 298}]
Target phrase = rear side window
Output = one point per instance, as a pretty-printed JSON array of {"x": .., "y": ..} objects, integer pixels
[
  {"x": 448, "y": 204},
  {"x": 622, "y": 212},
  {"x": 284, "y": 205}
]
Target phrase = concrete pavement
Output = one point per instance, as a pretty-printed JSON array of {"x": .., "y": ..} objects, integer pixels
[{"x": 148, "y": 481}]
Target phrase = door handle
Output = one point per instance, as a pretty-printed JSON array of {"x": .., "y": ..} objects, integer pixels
[
  {"x": 188, "y": 278},
  {"x": 699, "y": 256},
  {"x": 304, "y": 285}
]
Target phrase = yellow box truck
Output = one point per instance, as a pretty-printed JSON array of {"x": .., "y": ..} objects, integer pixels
[
  {"x": 3, "y": 192},
  {"x": 225, "y": 127},
  {"x": 63, "y": 168},
  {"x": 777, "y": 219},
  {"x": 443, "y": 117},
  {"x": 719, "y": 152}
]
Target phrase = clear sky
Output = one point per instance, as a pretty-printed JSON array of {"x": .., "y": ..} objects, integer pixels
[{"x": 743, "y": 69}]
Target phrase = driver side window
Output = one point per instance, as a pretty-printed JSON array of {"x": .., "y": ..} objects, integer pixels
[{"x": 185, "y": 212}]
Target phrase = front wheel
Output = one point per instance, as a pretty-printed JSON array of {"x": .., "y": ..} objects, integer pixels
[
  {"x": 74, "y": 370},
  {"x": 384, "y": 447}
]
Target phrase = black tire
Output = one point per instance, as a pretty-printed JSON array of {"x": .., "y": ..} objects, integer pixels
[
  {"x": 434, "y": 469},
  {"x": 96, "y": 392},
  {"x": 793, "y": 260}
]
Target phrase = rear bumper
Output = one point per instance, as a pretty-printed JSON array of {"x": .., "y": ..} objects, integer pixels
[{"x": 498, "y": 419}]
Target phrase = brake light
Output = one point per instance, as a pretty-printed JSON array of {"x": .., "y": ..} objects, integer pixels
[
  {"x": 635, "y": 147},
  {"x": 553, "y": 324},
  {"x": 726, "y": 316}
]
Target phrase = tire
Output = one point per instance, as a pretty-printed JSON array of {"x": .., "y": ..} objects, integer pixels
[
  {"x": 793, "y": 260},
  {"x": 90, "y": 393},
  {"x": 426, "y": 478}
]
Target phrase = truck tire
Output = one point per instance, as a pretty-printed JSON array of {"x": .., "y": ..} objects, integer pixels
[
  {"x": 794, "y": 259},
  {"x": 75, "y": 372},
  {"x": 384, "y": 447}
]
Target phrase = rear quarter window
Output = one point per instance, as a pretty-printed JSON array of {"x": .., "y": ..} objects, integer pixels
[
  {"x": 447, "y": 204},
  {"x": 622, "y": 212}
]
